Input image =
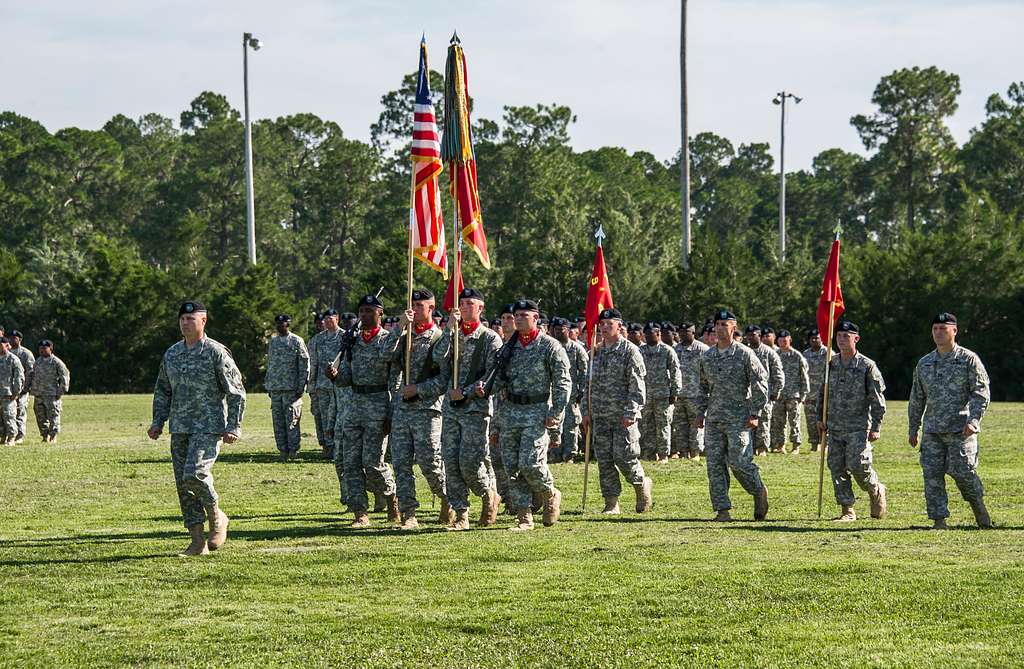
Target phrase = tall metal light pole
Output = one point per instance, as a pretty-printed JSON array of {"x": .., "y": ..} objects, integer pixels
[
  {"x": 684, "y": 154},
  {"x": 250, "y": 214},
  {"x": 780, "y": 99}
]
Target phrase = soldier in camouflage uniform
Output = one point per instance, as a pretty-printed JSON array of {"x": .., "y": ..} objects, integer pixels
[
  {"x": 12, "y": 383},
  {"x": 314, "y": 399},
  {"x": 50, "y": 381},
  {"x": 662, "y": 388},
  {"x": 794, "y": 393},
  {"x": 365, "y": 368},
  {"x": 635, "y": 334},
  {"x": 687, "y": 438},
  {"x": 734, "y": 391},
  {"x": 28, "y": 362},
  {"x": 776, "y": 381},
  {"x": 951, "y": 393},
  {"x": 494, "y": 461},
  {"x": 538, "y": 384},
  {"x": 768, "y": 337},
  {"x": 816, "y": 355},
  {"x": 466, "y": 412},
  {"x": 287, "y": 374},
  {"x": 856, "y": 405},
  {"x": 614, "y": 406},
  {"x": 199, "y": 391},
  {"x": 708, "y": 336},
  {"x": 578, "y": 365},
  {"x": 324, "y": 345},
  {"x": 416, "y": 412}
]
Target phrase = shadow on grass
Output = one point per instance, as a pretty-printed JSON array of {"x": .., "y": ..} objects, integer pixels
[{"x": 246, "y": 458}]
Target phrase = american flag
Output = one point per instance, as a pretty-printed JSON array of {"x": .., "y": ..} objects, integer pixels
[{"x": 426, "y": 223}]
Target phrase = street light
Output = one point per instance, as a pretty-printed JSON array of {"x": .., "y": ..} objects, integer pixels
[
  {"x": 780, "y": 99},
  {"x": 248, "y": 41}
]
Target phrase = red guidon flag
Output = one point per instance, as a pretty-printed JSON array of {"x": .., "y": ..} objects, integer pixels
[
  {"x": 831, "y": 292},
  {"x": 599, "y": 292}
]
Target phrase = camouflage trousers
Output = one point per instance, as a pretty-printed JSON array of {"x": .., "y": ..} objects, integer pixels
[
  {"x": 728, "y": 449},
  {"x": 342, "y": 402},
  {"x": 327, "y": 405},
  {"x": 21, "y": 417},
  {"x": 8, "y": 419},
  {"x": 656, "y": 428},
  {"x": 617, "y": 450},
  {"x": 524, "y": 452},
  {"x": 569, "y": 438},
  {"x": 47, "y": 411},
  {"x": 849, "y": 456},
  {"x": 192, "y": 456},
  {"x": 495, "y": 464},
  {"x": 314, "y": 408},
  {"x": 811, "y": 418},
  {"x": 953, "y": 454},
  {"x": 285, "y": 412},
  {"x": 763, "y": 431},
  {"x": 416, "y": 438},
  {"x": 685, "y": 436},
  {"x": 359, "y": 461},
  {"x": 465, "y": 450},
  {"x": 786, "y": 414}
]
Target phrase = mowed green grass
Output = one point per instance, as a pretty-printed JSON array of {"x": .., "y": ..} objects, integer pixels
[{"x": 89, "y": 532}]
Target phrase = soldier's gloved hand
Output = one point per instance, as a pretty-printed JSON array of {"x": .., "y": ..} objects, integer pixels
[
  {"x": 229, "y": 437},
  {"x": 154, "y": 432}
]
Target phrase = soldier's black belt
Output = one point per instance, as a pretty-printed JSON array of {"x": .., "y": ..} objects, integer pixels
[
  {"x": 527, "y": 399},
  {"x": 366, "y": 390}
]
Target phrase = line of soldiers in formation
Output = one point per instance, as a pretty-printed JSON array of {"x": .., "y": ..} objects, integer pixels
[
  {"x": 523, "y": 396},
  {"x": 22, "y": 374}
]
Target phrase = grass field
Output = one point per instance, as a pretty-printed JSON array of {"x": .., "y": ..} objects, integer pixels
[{"x": 89, "y": 532}]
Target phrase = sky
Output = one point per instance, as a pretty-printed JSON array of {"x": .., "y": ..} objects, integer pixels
[{"x": 614, "y": 62}]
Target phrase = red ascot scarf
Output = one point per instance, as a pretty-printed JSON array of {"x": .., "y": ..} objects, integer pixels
[
  {"x": 423, "y": 327},
  {"x": 469, "y": 328},
  {"x": 527, "y": 339},
  {"x": 370, "y": 334}
]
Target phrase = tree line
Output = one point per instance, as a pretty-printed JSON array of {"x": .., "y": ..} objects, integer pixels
[{"x": 105, "y": 231}]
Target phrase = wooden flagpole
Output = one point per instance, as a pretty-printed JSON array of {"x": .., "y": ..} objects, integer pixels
[
  {"x": 408, "y": 288},
  {"x": 592, "y": 336},
  {"x": 824, "y": 408}
]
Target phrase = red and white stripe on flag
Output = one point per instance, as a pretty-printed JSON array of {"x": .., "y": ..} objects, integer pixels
[{"x": 425, "y": 219}]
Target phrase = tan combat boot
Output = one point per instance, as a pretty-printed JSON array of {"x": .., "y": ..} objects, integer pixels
[
  {"x": 446, "y": 517},
  {"x": 643, "y": 495},
  {"x": 524, "y": 521},
  {"x": 552, "y": 507},
  {"x": 761, "y": 503},
  {"x": 939, "y": 524},
  {"x": 218, "y": 527},
  {"x": 722, "y": 516},
  {"x": 409, "y": 521},
  {"x": 611, "y": 506},
  {"x": 361, "y": 520},
  {"x": 489, "y": 508},
  {"x": 981, "y": 516},
  {"x": 393, "y": 515},
  {"x": 198, "y": 545},
  {"x": 461, "y": 521},
  {"x": 848, "y": 515},
  {"x": 879, "y": 503}
]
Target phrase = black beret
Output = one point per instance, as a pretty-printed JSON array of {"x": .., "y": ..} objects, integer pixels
[
  {"x": 495, "y": 322},
  {"x": 608, "y": 314},
  {"x": 686, "y": 325},
  {"x": 813, "y": 332},
  {"x": 46, "y": 342},
  {"x": 471, "y": 294},
  {"x": 4, "y": 340},
  {"x": 752, "y": 328},
  {"x": 847, "y": 326},
  {"x": 945, "y": 318},
  {"x": 525, "y": 305},
  {"x": 558, "y": 321},
  {"x": 317, "y": 317},
  {"x": 348, "y": 316},
  {"x": 635, "y": 327},
  {"x": 191, "y": 307},
  {"x": 708, "y": 328},
  {"x": 282, "y": 318},
  {"x": 667, "y": 325},
  {"x": 724, "y": 315},
  {"x": 651, "y": 326},
  {"x": 374, "y": 301},
  {"x": 543, "y": 316},
  {"x": 784, "y": 333},
  {"x": 767, "y": 330},
  {"x": 330, "y": 312},
  {"x": 422, "y": 294},
  {"x": 507, "y": 309},
  {"x": 17, "y": 333},
  {"x": 574, "y": 324}
]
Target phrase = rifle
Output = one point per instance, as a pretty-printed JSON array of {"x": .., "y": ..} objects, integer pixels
[{"x": 504, "y": 357}]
